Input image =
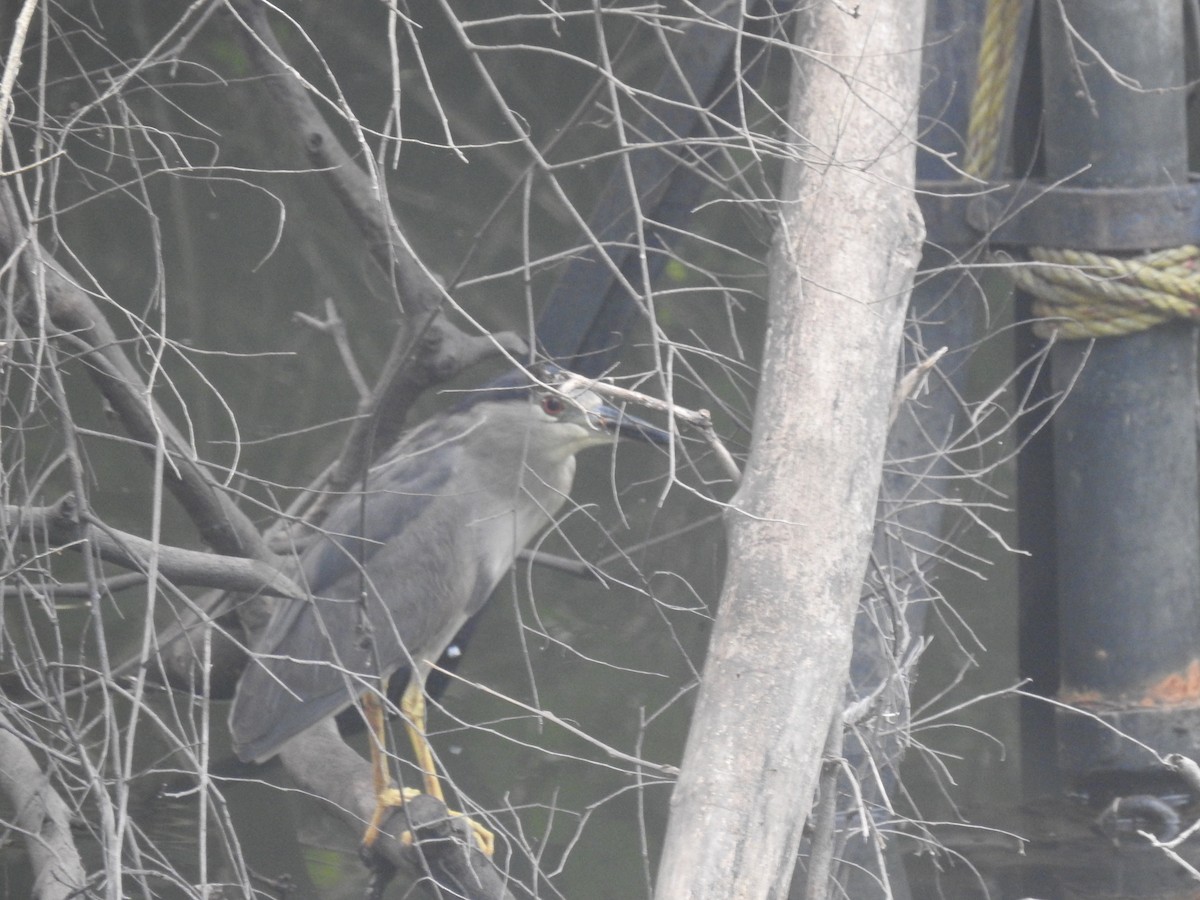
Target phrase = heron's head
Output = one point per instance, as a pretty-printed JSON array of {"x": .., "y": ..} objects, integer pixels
[{"x": 554, "y": 413}]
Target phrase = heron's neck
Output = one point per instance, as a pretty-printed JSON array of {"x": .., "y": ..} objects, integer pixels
[{"x": 518, "y": 503}]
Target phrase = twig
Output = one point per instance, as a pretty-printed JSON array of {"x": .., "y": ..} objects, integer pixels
[
  {"x": 335, "y": 326},
  {"x": 567, "y": 726},
  {"x": 76, "y": 321},
  {"x": 79, "y": 590},
  {"x": 699, "y": 419},
  {"x": 61, "y": 527},
  {"x": 908, "y": 384},
  {"x": 12, "y": 65}
]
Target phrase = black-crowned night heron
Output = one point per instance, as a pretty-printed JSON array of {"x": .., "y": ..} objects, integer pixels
[{"x": 401, "y": 566}]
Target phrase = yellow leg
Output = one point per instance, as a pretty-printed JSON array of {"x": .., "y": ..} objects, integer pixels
[
  {"x": 386, "y": 796},
  {"x": 412, "y": 705}
]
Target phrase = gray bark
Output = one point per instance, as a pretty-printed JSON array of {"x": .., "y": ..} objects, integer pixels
[
  {"x": 42, "y": 818},
  {"x": 800, "y": 526}
]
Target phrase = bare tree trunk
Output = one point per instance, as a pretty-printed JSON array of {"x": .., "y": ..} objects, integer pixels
[{"x": 800, "y": 526}]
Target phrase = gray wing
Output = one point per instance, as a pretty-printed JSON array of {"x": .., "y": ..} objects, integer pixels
[
  {"x": 392, "y": 500},
  {"x": 377, "y": 602}
]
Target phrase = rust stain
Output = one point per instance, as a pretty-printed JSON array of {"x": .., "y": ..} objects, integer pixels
[{"x": 1176, "y": 689}]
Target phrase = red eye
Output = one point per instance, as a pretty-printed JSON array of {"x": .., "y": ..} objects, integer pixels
[{"x": 552, "y": 405}]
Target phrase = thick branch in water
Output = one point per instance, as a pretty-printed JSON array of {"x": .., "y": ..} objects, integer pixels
[
  {"x": 61, "y": 526},
  {"x": 42, "y": 817}
]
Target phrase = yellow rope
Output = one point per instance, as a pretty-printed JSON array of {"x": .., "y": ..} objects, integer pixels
[
  {"x": 1085, "y": 295},
  {"x": 997, "y": 51},
  {"x": 1076, "y": 294}
]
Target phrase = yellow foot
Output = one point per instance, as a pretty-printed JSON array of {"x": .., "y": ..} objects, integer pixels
[
  {"x": 391, "y": 798},
  {"x": 485, "y": 839}
]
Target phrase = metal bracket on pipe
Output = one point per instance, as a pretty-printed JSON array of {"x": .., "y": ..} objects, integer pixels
[{"x": 1035, "y": 214}]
